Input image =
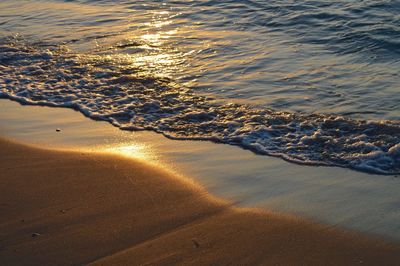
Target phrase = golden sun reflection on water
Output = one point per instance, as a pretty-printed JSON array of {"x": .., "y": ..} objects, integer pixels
[
  {"x": 158, "y": 54},
  {"x": 166, "y": 45}
]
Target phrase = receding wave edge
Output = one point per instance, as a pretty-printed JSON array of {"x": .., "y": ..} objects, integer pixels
[{"x": 110, "y": 89}]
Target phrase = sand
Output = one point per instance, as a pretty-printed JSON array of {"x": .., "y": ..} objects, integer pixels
[
  {"x": 367, "y": 203},
  {"x": 72, "y": 208}
]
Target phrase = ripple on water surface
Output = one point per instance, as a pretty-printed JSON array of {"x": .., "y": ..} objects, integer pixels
[
  {"x": 337, "y": 57},
  {"x": 314, "y": 82},
  {"x": 110, "y": 89}
]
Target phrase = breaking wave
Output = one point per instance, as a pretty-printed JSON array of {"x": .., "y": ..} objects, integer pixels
[{"x": 111, "y": 89}]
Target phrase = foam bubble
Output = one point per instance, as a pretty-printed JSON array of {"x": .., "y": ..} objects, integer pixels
[{"x": 113, "y": 91}]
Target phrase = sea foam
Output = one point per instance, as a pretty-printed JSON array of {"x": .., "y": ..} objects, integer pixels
[{"x": 109, "y": 89}]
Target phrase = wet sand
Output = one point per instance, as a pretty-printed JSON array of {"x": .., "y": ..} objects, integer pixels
[
  {"x": 331, "y": 195},
  {"x": 77, "y": 208}
]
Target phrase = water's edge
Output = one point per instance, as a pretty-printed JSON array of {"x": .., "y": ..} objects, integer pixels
[
  {"x": 337, "y": 196},
  {"x": 108, "y": 89}
]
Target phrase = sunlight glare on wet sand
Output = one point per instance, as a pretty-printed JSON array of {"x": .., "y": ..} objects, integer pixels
[{"x": 134, "y": 150}]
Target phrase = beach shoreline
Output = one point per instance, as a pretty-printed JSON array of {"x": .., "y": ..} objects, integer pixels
[
  {"x": 199, "y": 132},
  {"x": 367, "y": 203},
  {"x": 77, "y": 208}
]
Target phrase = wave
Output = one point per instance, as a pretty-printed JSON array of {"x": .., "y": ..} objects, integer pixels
[{"x": 111, "y": 89}]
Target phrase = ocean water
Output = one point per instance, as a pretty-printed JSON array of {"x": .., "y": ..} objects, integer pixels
[{"x": 313, "y": 82}]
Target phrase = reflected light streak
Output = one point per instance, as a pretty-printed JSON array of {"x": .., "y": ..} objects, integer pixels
[
  {"x": 159, "y": 55},
  {"x": 134, "y": 150},
  {"x": 150, "y": 156}
]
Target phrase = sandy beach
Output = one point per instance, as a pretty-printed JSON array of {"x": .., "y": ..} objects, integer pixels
[
  {"x": 137, "y": 132},
  {"x": 73, "y": 208}
]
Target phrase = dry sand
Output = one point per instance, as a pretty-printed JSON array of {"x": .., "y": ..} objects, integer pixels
[{"x": 73, "y": 208}]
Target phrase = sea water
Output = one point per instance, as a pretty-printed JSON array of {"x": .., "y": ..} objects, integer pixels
[{"x": 313, "y": 82}]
